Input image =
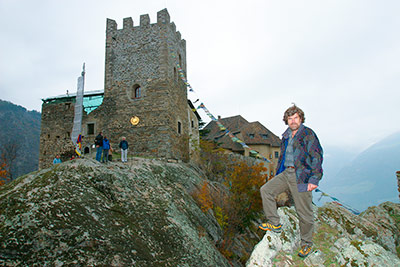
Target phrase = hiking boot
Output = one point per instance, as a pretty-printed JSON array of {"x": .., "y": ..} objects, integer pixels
[
  {"x": 305, "y": 250},
  {"x": 270, "y": 227}
]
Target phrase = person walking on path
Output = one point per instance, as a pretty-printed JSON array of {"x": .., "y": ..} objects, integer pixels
[
  {"x": 99, "y": 146},
  {"x": 299, "y": 170},
  {"x": 106, "y": 149},
  {"x": 124, "y": 149}
]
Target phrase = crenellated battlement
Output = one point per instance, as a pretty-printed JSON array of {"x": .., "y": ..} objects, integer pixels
[
  {"x": 163, "y": 18},
  {"x": 128, "y": 23}
]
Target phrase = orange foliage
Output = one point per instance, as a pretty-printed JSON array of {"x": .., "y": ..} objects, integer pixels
[
  {"x": 244, "y": 182},
  {"x": 204, "y": 197},
  {"x": 235, "y": 208},
  {"x": 3, "y": 174}
]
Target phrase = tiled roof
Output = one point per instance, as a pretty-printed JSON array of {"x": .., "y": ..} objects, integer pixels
[{"x": 252, "y": 133}]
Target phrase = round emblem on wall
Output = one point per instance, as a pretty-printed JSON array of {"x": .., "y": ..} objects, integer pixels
[{"x": 135, "y": 120}]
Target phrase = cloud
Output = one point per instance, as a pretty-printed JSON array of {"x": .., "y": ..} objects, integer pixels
[{"x": 338, "y": 60}]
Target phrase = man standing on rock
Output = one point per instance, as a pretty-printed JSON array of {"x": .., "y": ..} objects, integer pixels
[{"x": 299, "y": 170}]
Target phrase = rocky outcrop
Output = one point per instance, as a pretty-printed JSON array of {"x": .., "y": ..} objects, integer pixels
[
  {"x": 83, "y": 213},
  {"x": 340, "y": 239}
]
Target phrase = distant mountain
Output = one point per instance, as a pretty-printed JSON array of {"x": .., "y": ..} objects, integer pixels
[
  {"x": 335, "y": 159},
  {"x": 370, "y": 178},
  {"x": 21, "y": 127}
]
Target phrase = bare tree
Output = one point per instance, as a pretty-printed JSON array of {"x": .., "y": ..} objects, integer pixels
[{"x": 8, "y": 154}]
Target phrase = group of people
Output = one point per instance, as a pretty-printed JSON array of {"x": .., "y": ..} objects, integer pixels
[{"x": 103, "y": 148}]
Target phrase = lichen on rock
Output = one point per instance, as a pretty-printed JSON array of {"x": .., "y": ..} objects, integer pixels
[
  {"x": 86, "y": 213},
  {"x": 340, "y": 238}
]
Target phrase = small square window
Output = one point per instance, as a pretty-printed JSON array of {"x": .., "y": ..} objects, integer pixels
[
  {"x": 90, "y": 128},
  {"x": 264, "y": 136},
  {"x": 251, "y": 136}
]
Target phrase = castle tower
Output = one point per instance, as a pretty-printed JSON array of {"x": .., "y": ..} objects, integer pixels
[
  {"x": 141, "y": 81},
  {"x": 144, "y": 99}
]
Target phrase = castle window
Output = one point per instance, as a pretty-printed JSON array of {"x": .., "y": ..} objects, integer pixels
[
  {"x": 180, "y": 61},
  {"x": 136, "y": 91},
  {"x": 175, "y": 75},
  {"x": 192, "y": 124},
  {"x": 67, "y": 106},
  {"x": 179, "y": 127},
  {"x": 276, "y": 154},
  {"x": 90, "y": 128}
]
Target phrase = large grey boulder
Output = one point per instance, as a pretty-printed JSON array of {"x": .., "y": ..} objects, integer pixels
[{"x": 84, "y": 213}]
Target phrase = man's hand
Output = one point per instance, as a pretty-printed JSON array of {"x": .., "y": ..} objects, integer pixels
[{"x": 311, "y": 187}]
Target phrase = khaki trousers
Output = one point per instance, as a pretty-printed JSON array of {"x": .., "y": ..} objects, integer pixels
[{"x": 302, "y": 202}]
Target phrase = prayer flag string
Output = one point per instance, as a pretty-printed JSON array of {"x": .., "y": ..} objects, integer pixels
[
  {"x": 337, "y": 201},
  {"x": 231, "y": 135},
  {"x": 181, "y": 74}
]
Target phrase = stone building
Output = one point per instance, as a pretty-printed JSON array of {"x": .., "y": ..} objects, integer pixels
[
  {"x": 143, "y": 99},
  {"x": 254, "y": 134}
]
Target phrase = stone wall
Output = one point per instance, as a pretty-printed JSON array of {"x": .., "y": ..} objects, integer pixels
[{"x": 56, "y": 128}]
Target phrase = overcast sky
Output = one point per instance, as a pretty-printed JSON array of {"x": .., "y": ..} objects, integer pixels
[{"x": 337, "y": 60}]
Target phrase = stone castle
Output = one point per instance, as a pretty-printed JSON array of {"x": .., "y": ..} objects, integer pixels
[{"x": 143, "y": 99}]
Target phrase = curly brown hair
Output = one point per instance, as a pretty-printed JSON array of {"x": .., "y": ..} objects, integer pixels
[{"x": 291, "y": 111}]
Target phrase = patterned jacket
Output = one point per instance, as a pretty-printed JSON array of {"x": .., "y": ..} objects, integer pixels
[{"x": 307, "y": 153}]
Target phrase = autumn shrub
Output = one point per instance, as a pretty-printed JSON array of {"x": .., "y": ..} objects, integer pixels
[
  {"x": 239, "y": 201},
  {"x": 4, "y": 177},
  {"x": 231, "y": 191},
  {"x": 203, "y": 197},
  {"x": 244, "y": 182}
]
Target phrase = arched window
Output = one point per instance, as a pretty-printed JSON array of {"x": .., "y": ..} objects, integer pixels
[{"x": 136, "y": 91}]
